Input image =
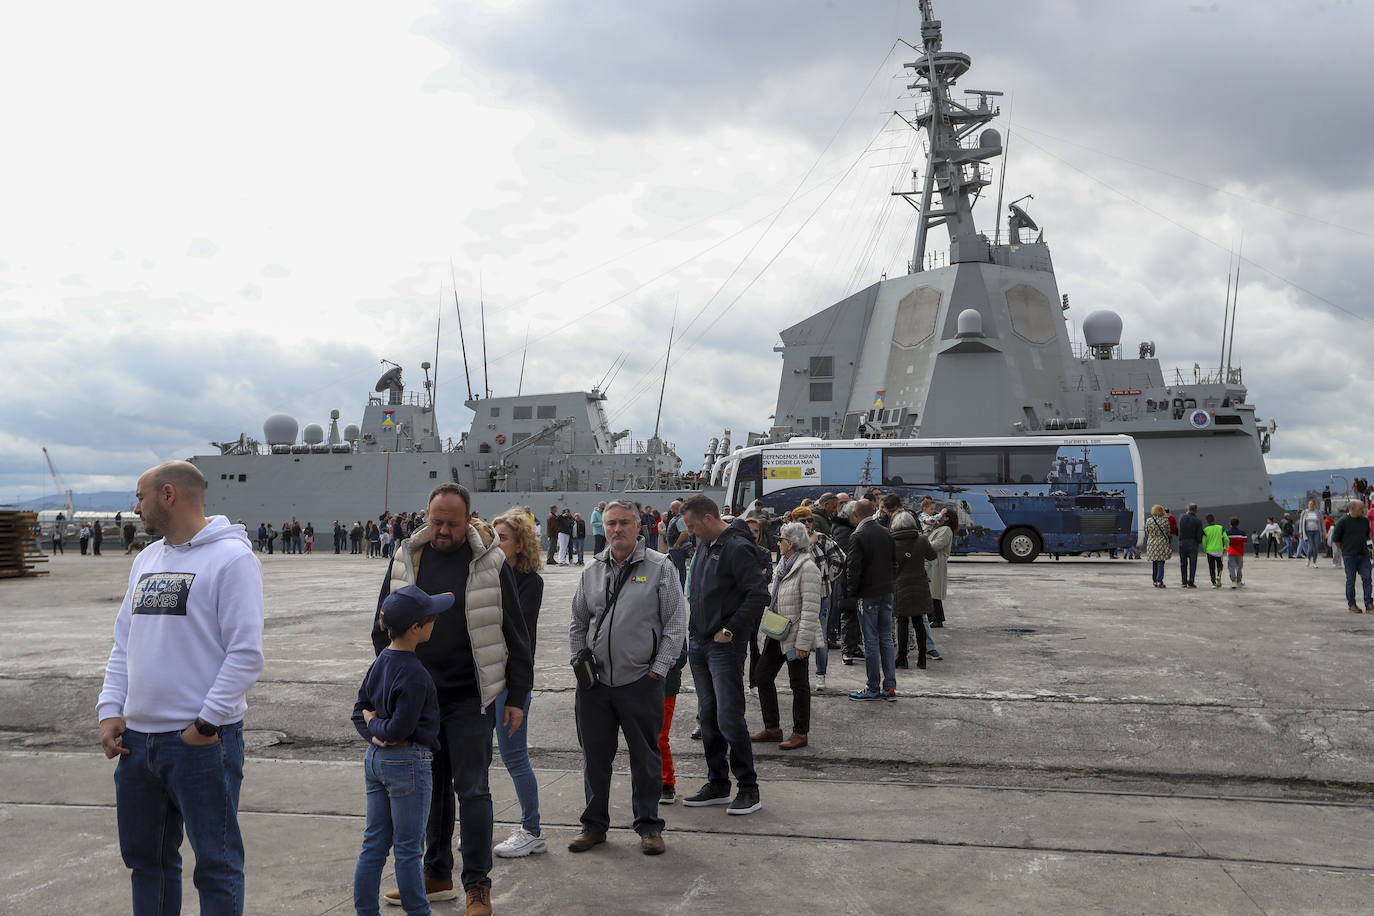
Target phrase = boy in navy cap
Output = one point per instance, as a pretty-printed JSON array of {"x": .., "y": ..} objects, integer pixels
[{"x": 398, "y": 714}]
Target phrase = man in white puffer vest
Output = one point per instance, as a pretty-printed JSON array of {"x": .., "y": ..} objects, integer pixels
[{"x": 478, "y": 649}]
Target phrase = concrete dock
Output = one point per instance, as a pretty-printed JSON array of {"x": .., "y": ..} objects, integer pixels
[{"x": 1088, "y": 744}]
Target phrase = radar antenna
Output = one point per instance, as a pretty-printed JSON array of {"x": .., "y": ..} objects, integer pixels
[{"x": 461, "y": 340}]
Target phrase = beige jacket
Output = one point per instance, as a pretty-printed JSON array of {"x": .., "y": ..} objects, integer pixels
[
  {"x": 482, "y": 602},
  {"x": 942, "y": 539},
  {"x": 799, "y": 600}
]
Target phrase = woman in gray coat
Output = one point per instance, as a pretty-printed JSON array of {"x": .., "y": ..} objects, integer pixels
[{"x": 911, "y": 588}]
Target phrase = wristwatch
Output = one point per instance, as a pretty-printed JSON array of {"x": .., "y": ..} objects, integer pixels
[
  {"x": 205, "y": 728},
  {"x": 728, "y": 634}
]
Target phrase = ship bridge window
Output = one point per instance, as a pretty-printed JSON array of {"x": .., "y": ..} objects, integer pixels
[
  {"x": 496, "y": 411},
  {"x": 821, "y": 391},
  {"x": 547, "y": 412},
  {"x": 1227, "y": 420},
  {"x": 484, "y": 448},
  {"x": 522, "y": 411},
  {"x": 909, "y": 466},
  {"x": 243, "y": 478},
  {"x": 822, "y": 367}
]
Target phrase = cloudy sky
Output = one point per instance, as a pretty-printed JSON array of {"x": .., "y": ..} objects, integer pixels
[{"x": 214, "y": 213}]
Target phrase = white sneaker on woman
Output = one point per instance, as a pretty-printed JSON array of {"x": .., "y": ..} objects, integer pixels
[{"x": 520, "y": 844}]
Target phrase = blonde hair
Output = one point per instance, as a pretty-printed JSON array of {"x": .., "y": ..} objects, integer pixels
[
  {"x": 528, "y": 558},
  {"x": 1156, "y": 509}
]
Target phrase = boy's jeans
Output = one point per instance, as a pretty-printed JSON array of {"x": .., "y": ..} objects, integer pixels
[
  {"x": 398, "y": 790},
  {"x": 163, "y": 782}
]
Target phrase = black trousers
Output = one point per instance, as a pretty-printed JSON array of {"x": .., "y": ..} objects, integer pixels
[
  {"x": 771, "y": 661},
  {"x": 602, "y": 713},
  {"x": 1187, "y": 561},
  {"x": 851, "y": 642},
  {"x": 904, "y": 627},
  {"x": 1214, "y": 566},
  {"x": 460, "y": 769}
]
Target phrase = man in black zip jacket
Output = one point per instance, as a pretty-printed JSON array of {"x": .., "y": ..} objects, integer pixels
[{"x": 728, "y": 593}]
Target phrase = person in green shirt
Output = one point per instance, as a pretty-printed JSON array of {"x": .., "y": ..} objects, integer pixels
[
  {"x": 1351, "y": 534},
  {"x": 1214, "y": 542}
]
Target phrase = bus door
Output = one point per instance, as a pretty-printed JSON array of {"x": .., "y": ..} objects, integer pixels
[{"x": 747, "y": 484}]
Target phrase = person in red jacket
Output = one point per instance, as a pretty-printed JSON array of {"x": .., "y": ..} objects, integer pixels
[{"x": 1235, "y": 552}]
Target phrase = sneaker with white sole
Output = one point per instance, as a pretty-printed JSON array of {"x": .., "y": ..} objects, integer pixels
[
  {"x": 746, "y": 802},
  {"x": 820, "y": 683},
  {"x": 709, "y": 794},
  {"x": 519, "y": 844}
]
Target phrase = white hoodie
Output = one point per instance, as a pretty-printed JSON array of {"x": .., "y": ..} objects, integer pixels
[{"x": 188, "y": 638}]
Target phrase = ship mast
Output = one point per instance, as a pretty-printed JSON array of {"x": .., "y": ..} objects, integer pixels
[{"x": 954, "y": 167}]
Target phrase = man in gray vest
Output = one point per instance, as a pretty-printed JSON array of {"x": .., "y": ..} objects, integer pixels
[
  {"x": 629, "y": 611},
  {"x": 477, "y": 650}
]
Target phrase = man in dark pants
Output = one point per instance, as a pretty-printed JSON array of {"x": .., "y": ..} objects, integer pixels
[
  {"x": 97, "y": 535},
  {"x": 628, "y": 608},
  {"x": 477, "y": 650},
  {"x": 551, "y": 532},
  {"x": 678, "y": 540},
  {"x": 1189, "y": 536},
  {"x": 728, "y": 595}
]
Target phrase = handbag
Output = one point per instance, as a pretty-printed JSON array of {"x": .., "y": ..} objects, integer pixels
[
  {"x": 584, "y": 668},
  {"x": 775, "y": 626}
]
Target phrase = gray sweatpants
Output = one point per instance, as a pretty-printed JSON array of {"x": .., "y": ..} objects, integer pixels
[{"x": 1235, "y": 565}]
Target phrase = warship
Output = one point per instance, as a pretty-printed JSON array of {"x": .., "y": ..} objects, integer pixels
[
  {"x": 534, "y": 449},
  {"x": 974, "y": 340},
  {"x": 1073, "y": 515}
]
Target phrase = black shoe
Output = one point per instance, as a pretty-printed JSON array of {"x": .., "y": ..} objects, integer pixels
[
  {"x": 847, "y": 659},
  {"x": 746, "y": 802},
  {"x": 710, "y": 794},
  {"x": 901, "y": 663},
  {"x": 668, "y": 796},
  {"x": 933, "y": 654},
  {"x": 696, "y": 733},
  {"x": 937, "y": 625},
  {"x": 921, "y": 663}
]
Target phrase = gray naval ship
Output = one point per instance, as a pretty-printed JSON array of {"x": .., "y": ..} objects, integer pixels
[
  {"x": 537, "y": 450},
  {"x": 974, "y": 341}
]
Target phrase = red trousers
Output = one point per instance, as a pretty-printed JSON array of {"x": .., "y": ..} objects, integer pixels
[{"x": 664, "y": 751}]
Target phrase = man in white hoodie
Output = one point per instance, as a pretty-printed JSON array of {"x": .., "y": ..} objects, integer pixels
[{"x": 187, "y": 646}]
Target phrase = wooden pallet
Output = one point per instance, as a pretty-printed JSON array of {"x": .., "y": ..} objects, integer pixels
[{"x": 19, "y": 553}]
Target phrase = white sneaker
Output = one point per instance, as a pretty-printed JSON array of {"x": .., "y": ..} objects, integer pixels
[
  {"x": 520, "y": 844},
  {"x": 820, "y": 683}
]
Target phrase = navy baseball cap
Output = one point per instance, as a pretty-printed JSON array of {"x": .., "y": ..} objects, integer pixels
[{"x": 404, "y": 607}]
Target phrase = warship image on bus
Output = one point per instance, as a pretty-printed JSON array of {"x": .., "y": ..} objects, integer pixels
[
  {"x": 973, "y": 341},
  {"x": 1073, "y": 514},
  {"x": 533, "y": 449}
]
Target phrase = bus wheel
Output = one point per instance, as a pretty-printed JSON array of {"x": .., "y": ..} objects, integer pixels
[{"x": 1020, "y": 545}]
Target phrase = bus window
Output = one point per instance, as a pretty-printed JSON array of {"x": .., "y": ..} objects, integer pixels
[
  {"x": 910, "y": 466},
  {"x": 1029, "y": 464},
  {"x": 748, "y": 478},
  {"x": 964, "y": 466}
]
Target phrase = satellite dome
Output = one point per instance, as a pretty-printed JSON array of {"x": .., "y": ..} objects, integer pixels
[
  {"x": 970, "y": 323},
  {"x": 314, "y": 434},
  {"x": 1102, "y": 329},
  {"x": 280, "y": 429},
  {"x": 990, "y": 139},
  {"x": 351, "y": 432}
]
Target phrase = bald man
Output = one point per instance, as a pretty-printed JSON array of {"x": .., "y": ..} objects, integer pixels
[{"x": 187, "y": 646}]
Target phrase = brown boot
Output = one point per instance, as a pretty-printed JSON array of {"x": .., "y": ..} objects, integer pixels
[
  {"x": 586, "y": 840},
  {"x": 651, "y": 843},
  {"x": 1354, "y": 610},
  {"x": 479, "y": 901},
  {"x": 436, "y": 891},
  {"x": 768, "y": 734},
  {"x": 791, "y": 744}
]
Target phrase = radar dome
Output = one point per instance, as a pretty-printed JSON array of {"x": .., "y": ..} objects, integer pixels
[
  {"x": 1102, "y": 329},
  {"x": 314, "y": 434},
  {"x": 280, "y": 429},
  {"x": 970, "y": 323},
  {"x": 990, "y": 139},
  {"x": 351, "y": 432}
]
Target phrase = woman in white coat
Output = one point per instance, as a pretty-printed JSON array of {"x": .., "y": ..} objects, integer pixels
[
  {"x": 797, "y": 593},
  {"x": 941, "y": 537}
]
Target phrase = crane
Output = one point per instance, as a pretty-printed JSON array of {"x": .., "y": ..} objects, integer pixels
[{"x": 71, "y": 510}]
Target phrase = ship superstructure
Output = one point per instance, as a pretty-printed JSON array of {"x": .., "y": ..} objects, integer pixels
[
  {"x": 974, "y": 340},
  {"x": 537, "y": 449}
]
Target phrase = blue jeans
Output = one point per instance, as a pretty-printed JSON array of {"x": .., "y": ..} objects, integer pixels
[
  {"x": 1353, "y": 566},
  {"x": 880, "y": 654},
  {"x": 577, "y": 545},
  {"x": 1157, "y": 570},
  {"x": 718, "y": 673},
  {"x": 822, "y": 650},
  {"x": 398, "y": 790},
  {"x": 1314, "y": 540},
  {"x": 163, "y": 783},
  {"x": 515, "y": 754}
]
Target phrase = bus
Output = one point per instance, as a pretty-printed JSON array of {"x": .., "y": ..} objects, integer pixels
[{"x": 1018, "y": 497}]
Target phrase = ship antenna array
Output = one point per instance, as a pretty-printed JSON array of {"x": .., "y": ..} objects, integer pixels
[
  {"x": 667, "y": 360},
  {"x": 438, "y": 324},
  {"x": 1235, "y": 303},
  {"x": 482, "y": 299},
  {"x": 461, "y": 340}
]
